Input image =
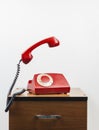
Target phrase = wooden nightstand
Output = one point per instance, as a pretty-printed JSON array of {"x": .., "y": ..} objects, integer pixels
[{"x": 49, "y": 112}]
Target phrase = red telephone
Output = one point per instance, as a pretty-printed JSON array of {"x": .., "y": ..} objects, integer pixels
[{"x": 46, "y": 83}]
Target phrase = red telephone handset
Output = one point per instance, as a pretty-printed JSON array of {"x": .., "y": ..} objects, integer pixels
[{"x": 27, "y": 56}]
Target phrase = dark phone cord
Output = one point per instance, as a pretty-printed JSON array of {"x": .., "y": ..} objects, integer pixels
[
  {"x": 9, "y": 102},
  {"x": 12, "y": 99}
]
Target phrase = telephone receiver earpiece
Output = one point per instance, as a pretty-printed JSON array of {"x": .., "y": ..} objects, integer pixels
[{"x": 27, "y": 56}]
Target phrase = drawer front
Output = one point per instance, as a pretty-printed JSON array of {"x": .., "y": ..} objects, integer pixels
[{"x": 48, "y": 115}]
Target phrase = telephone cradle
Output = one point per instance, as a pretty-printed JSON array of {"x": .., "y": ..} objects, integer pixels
[{"x": 48, "y": 83}]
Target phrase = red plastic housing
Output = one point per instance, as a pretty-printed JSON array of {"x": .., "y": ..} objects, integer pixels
[
  {"x": 59, "y": 84},
  {"x": 27, "y": 55}
]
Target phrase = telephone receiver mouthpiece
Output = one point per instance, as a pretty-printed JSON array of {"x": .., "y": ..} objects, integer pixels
[{"x": 27, "y": 56}]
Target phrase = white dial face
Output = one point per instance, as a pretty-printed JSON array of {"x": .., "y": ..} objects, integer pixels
[{"x": 44, "y": 80}]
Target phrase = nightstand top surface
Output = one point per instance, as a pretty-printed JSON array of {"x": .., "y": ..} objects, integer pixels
[{"x": 75, "y": 94}]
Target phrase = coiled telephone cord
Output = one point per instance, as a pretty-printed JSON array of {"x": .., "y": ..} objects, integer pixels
[{"x": 9, "y": 102}]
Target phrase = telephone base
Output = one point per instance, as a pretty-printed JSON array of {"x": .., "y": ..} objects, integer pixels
[{"x": 49, "y": 83}]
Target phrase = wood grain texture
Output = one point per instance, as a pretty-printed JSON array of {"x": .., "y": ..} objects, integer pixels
[{"x": 73, "y": 115}]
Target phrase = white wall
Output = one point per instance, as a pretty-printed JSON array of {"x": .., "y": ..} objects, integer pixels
[{"x": 75, "y": 23}]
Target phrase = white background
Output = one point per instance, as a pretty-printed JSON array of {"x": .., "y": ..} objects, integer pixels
[{"x": 75, "y": 23}]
